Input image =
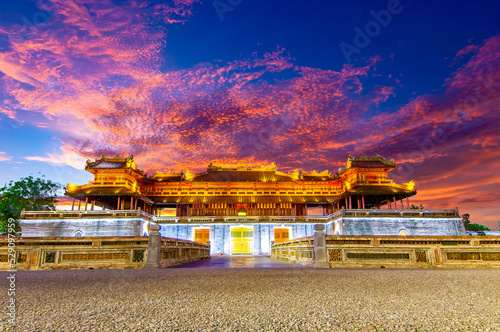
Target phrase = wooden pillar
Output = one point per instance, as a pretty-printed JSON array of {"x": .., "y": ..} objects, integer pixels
[
  {"x": 363, "y": 201},
  {"x": 408, "y": 202},
  {"x": 79, "y": 204},
  {"x": 131, "y": 202},
  {"x": 92, "y": 205},
  {"x": 135, "y": 207},
  {"x": 402, "y": 205},
  {"x": 86, "y": 202},
  {"x": 346, "y": 204},
  {"x": 118, "y": 204},
  {"x": 395, "y": 204},
  {"x": 350, "y": 202},
  {"x": 73, "y": 205}
]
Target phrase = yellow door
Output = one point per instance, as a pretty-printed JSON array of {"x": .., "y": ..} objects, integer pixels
[
  {"x": 202, "y": 235},
  {"x": 281, "y": 235},
  {"x": 241, "y": 241}
]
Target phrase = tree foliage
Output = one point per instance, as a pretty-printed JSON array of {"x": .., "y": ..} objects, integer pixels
[
  {"x": 477, "y": 227},
  {"x": 29, "y": 193},
  {"x": 472, "y": 227}
]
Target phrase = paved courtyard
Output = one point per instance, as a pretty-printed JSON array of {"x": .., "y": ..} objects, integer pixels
[
  {"x": 280, "y": 297},
  {"x": 241, "y": 262}
]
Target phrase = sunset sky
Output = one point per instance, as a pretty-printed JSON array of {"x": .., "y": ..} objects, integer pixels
[{"x": 180, "y": 84}]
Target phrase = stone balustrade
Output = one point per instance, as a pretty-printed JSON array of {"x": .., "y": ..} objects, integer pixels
[
  {"x": 412, "y": 213},
  {"x": 51, "y": 253},
  {"x": 391, "y": 251}
]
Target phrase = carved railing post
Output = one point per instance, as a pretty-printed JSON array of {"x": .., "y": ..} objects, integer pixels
[
  {"x": 320, "y": 259},
  {"x": 154, "y": 244}
]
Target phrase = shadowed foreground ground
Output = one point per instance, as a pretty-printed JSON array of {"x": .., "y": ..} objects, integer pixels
[{"x": 242, "y": 299}]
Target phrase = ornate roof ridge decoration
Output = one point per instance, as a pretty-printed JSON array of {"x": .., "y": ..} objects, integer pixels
[
  {"x": 127, "y": 162},
  {"x": 410, "y": 185},
  {"x": 212, "y": 167},
  {"x": 188, "y": 176},
  {"x": 314, "y": 173},
  {"x": 351, "y": 160},
  {"x": 158, "y": 174}
]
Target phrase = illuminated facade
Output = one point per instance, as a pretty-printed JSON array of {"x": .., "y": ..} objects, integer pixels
[
  {"x": 241, "y": 210},
  {"x": 241, "y": 191}
]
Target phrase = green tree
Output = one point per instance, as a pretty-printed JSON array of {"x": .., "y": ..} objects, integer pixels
[
  {"x": 472, "y": 227},
  {"x": 466, "y": 220},
  {"x": 29, "y": 193}
]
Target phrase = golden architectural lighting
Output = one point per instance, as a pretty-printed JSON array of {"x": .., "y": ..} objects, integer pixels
[{"x": 241, "y": 190}]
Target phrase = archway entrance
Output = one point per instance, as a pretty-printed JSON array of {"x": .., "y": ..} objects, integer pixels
[
  {"x": 241, "y": 240},
  {"x": 242, "y": 212}
]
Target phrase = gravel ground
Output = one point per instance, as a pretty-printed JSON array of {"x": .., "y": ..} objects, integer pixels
[{"x": 188, "y": 299}]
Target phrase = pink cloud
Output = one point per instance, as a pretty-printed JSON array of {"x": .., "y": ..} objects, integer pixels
[{"x": 4, "y": 156}]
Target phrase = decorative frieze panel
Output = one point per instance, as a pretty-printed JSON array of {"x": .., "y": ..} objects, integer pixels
[
  {"x": 94, "y": 256},
  {"x": 421, "y": 256},
  {"x": 473, "y": 256},
  {"x": 334, "y": 255},
  {"x": 378, "y": 255}
]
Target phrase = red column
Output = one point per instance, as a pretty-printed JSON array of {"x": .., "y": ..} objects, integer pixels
[
  {"x": 131, "y": 202},
  {"x": 118, "y": 204},
  {"x": 363, "y": 201},
  {"x": 92, "y": 205},
  {"x": 86, "y": 202},
  {"x": 73, "y": 205},
  {"x": 408, "y": 203},
  {"x": 79, "y": 204}
]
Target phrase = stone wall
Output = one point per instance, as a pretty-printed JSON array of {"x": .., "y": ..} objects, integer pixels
[
  {"x": 83, "y": 227},
  {"x": 220, "y": 235},
  {"x": 394, "y": 226}
]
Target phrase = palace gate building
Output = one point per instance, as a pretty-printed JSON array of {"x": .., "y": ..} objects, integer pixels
[{"x": 241, "y": 210}]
